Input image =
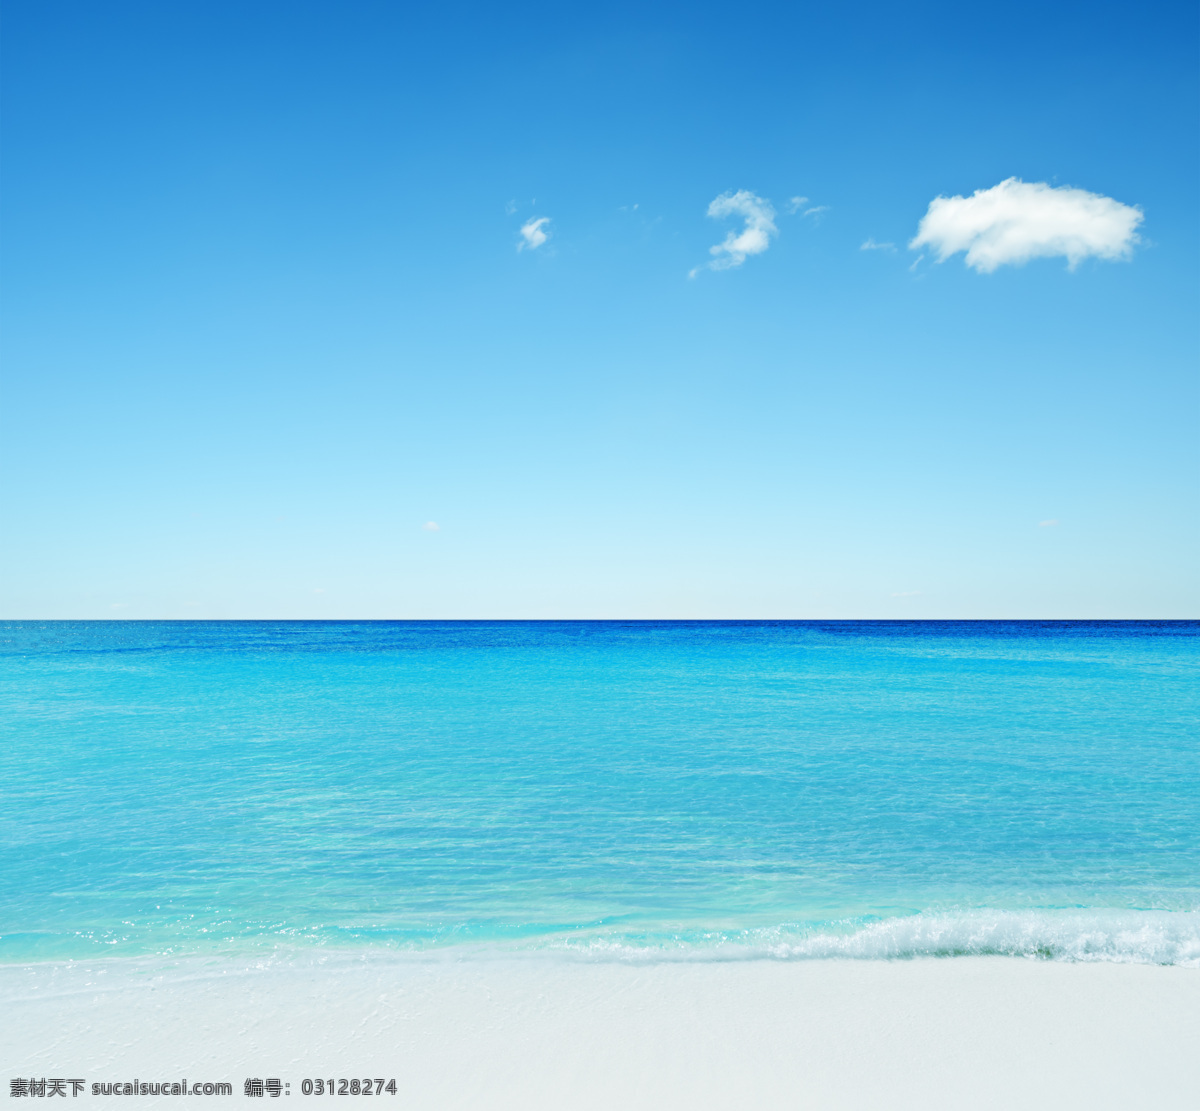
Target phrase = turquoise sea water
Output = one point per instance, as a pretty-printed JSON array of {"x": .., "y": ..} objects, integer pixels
[{"x": 607, "y": 789}]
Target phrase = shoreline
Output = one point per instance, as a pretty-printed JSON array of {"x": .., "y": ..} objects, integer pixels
[
  {"x": 956, "y": 1032},
  {"x": 1086, "y": 934}
]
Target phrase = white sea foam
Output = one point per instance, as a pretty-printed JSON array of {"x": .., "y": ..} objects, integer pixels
[
  {"x": 1121, "y": 936},
  {"x": 1149, "y": 937}
]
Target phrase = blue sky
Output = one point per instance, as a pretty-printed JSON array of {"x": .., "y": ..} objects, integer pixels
[{"x": 267, "y": 320}]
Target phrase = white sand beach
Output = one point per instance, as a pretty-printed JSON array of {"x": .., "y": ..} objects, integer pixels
[{"x": 974, "y": 1032}]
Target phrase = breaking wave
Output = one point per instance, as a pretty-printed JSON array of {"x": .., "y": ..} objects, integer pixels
[{"x": 1121, "y": 936}]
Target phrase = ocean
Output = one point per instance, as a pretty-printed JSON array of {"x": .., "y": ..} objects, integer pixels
[{"x": 601, "y": 790}]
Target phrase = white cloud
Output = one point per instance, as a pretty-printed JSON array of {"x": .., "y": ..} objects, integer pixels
[
  {"x": 795, "y": 204},
  {"x": 510, "y": 208},
  {"x": 753, "y": 239},
  {"x": 871, "y": 245},
  {"x": 431, "y": 526},
  {"x": 532, "y": 235},
  {"x": 1016, "y": 221},
  {"x": 1047, "y": 524}
]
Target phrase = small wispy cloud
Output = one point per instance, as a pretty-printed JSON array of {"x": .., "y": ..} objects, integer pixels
[
  {"x": 1015, "y": 221},
  {"x": 905, "y": 593},
  {"x": 753, "y": 239},
  {"x": 533, "y": 233},
  {"x": 871, "y": 245},
  {"x": 1047, "y": 524},
  {"x": 510, "y": 208},
  {"x": 431, "y": 526},
  {"x": 796, "y": 205}
]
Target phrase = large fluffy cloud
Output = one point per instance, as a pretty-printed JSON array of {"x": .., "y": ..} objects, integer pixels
[
  {"x": 1016, "y": 220},
  {"x": 755, "y": 236}
]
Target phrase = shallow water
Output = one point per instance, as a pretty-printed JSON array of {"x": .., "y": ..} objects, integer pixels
[{"x": 630, "y": 789}]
